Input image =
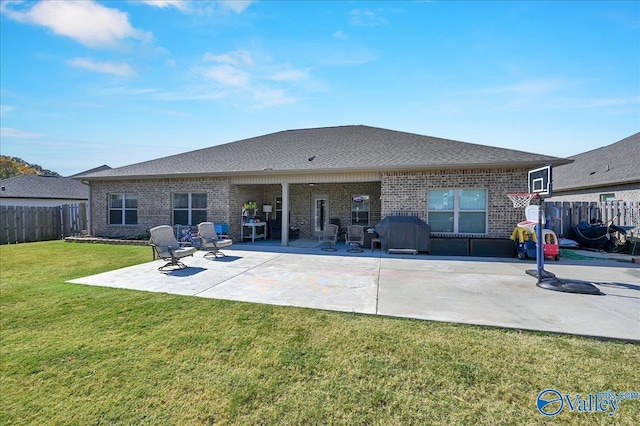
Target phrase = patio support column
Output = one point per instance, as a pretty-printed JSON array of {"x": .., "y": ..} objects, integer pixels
[{"x": 285, "y": 214}]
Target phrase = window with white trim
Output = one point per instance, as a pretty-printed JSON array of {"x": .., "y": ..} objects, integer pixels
[
  {"x": 123, "y": 209},
  {"x": 189, "y": 208},
  {"x": 457, "y": 211}
]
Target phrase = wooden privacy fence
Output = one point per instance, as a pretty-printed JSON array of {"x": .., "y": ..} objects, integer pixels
[
  {"x": 21, "y": 224},
  {"x": 570, "y": 213}
]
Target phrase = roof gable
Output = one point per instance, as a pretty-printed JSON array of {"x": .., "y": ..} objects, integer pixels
[{"x": 329, "y": 149}]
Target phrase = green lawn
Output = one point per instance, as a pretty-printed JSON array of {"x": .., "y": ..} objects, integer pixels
[{"x": 74, "y": 354}]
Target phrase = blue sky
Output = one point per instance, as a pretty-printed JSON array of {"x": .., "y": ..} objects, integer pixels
[{"x": 86, "y": 83}]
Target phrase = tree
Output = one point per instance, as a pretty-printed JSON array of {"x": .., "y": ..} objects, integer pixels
[{"x": 14, "y": 166}]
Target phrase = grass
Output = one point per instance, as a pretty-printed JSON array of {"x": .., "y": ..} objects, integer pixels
[{"x": 74, "y": 354}]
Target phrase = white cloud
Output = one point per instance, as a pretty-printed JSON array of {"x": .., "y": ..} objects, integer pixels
[
  {"x": 226, "y": 75},
  {"x": 182, "y": 5},
  {"x": 270, "y": 98},
  {"x": 288, "y": 75},
  {"x": 9, "y": 132},
  {"x": 4, "y": 109},
  {"x": 237, "y": 6},
  {"x": 200, "y": 7},
  {"x": 341, "y": 35},
  {"x": 605, "y": 102},
  {"x": 201, "y": 93},
  {"x": 366, "y": 18},
  {"x": 548, "y": 94},
  {"x": 242, "y": 75},
  {"x": 86, "y": 22},
  {"x": 120, "y": 69},
  {"x": 237, "y": 58},
  {"x": 617, "y": 105}
]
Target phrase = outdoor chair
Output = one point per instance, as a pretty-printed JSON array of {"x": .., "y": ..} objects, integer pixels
[
  {"x": 342, "y": 232},
  {"x": 167, "y": 247},
  {"x": 210, "y": 241},
  {"x": 355, "y": 238},
  {"x": 330, "y": 236}
]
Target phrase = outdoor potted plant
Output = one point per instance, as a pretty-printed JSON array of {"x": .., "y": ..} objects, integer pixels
[{"x": 249, "y": 210}]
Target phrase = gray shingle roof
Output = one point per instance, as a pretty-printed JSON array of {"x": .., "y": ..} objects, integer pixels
[
  {"x": 88, "y": 172},
  {"x": 50, "y": 187},
  {"x": 618, "y": 163},
  {"x": 331, "y": 149}
]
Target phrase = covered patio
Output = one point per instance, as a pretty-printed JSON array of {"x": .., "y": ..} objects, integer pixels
[{"x": 304, "y": 205}]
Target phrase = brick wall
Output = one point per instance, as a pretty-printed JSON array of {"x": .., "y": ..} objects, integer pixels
[
  {"x": 155, "y": 203},
  {"x": 339, "y": 196},
  {"x": 407, "y": 191}
]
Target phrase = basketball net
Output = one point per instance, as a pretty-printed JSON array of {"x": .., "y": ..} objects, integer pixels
[{"x": 522, "y": 199}]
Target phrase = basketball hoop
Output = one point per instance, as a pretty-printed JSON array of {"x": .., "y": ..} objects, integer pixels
[{"x": 522, "y": 199}]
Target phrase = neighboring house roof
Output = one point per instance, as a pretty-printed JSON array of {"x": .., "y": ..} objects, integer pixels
[
  {"x": 95, "y": 169},
  {"x": 43, "y": 187},
  {"x": 328, "y": 149},
  {"x": 615, "y": 164}
]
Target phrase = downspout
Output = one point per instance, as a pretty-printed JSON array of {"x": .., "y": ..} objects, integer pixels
[{"x": 89, "y": 230}]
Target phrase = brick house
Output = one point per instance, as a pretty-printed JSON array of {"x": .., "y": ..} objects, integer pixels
[{"x": 358, "y": 174}]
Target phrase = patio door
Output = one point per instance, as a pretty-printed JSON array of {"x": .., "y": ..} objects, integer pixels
[{"x": 320, "y": 210}]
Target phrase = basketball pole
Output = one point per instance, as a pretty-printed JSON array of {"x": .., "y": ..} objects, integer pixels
[
  {"x": 540, "y": 183},
  {"x": 548, "y": 280},
  {"x": 539, "y": 248},
  {"x": 540, "y": 272}
]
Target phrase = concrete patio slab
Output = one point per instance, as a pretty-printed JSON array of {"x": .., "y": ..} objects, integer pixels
[
  {"x": 481, "y": 291},
  {"x": 337, "y": 290},
  {"x": 510, "y": 301}
]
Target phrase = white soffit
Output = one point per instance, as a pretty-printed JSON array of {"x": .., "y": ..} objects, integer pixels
[{"x": 363, "y": 176}]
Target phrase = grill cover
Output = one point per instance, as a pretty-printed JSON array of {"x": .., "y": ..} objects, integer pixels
[{"x": 404, "y": 232}]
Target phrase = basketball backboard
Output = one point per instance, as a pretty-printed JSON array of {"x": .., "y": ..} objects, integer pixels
[{"x": 540, "y": 181}]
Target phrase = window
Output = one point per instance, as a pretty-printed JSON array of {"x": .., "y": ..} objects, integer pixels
[
  {"x": 459, "y": 211},
  {"x": 123, "y": 209},
  {"x": 189, "y": 208},
  {"x": 360, "y": 207},
  {"x": 607, "y": 197}
]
